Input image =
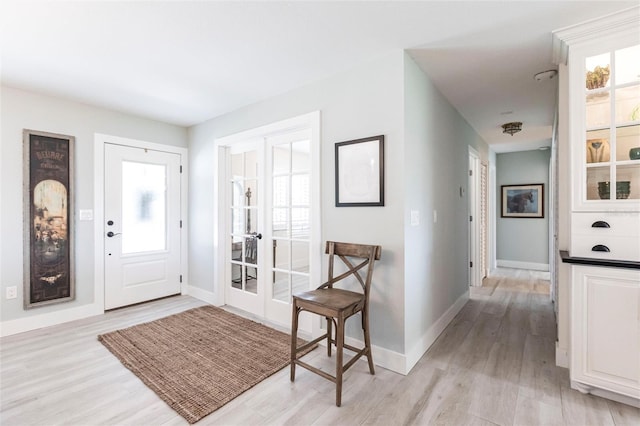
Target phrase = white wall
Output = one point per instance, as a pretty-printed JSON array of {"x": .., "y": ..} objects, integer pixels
[
  {"x": 523, "y": 242},
  {"x": 436, "y": 254},
  {"x": 364, "y": 101},
  {"x": 26, "y": 110}
]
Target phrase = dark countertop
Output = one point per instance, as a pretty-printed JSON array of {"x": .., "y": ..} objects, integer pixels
[{"x": 590, "y": 261}]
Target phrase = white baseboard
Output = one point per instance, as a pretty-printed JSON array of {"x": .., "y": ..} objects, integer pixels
[
  {"x": 428, "y": 338},
  {"x": 562, "y": 357},
  {"x": 604, "y": 393},
  {"x": 523, "y": 265},
  {"x": 8, "y": 328},
  {"x": 201, "y": 294},
  {"x": 400, "y": 363},
  {"x": 382, "y": 357}
]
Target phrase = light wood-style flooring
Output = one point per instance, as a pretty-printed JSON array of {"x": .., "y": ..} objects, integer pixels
[{"x": 494, "y": 364}]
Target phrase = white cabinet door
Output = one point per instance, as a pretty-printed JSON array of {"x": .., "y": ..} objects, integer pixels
[{"x": 605, "y": 350}]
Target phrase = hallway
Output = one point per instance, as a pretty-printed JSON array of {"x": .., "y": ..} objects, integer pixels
[{"x": 494, "y": 364}]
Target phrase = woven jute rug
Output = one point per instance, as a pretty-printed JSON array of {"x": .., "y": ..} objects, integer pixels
[{"x": 200, "y": 359}]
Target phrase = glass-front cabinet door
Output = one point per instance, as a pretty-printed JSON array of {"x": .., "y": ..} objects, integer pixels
[{"x": 609, "y": 165}]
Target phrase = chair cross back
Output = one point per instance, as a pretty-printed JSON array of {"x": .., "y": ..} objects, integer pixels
[
  {"x": 336, "y": 306},
  {"x": 342, "y": 250}
]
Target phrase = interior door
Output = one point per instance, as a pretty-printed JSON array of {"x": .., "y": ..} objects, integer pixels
[
  {"x": 290, "y": 224},
  {"x": 245, "y": 289},
  {"x": 269, "y": 224},
  {"x": 142, "y": 225}
]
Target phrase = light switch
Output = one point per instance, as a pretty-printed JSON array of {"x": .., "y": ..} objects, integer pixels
[
  {"x": 435, "y": 216},
  {"x": 415, "y": 218},
  {"x": 86, "y": 214}
]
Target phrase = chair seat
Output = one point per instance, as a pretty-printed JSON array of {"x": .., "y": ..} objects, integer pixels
[{"x": 333, "y": 298}]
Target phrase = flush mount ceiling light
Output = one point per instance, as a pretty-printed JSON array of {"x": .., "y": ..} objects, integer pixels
[
  {"x": 512, "y": 128},
  {"x": 545, "y": 75}
]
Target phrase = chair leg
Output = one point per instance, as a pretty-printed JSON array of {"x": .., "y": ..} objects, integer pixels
[
  {"x": 294, "y": 338},
  {"x": 329, "y": 327},
  {"x": 367, "y": 339},
  {"x": 339, "y": 365}
]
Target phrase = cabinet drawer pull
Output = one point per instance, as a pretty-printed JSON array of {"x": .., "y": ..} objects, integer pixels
[
  {"x": 600, "y": 224},
  {"x": 600, "y": 247}
]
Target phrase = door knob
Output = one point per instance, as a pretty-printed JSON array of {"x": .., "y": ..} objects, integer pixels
[
  {"x": 112, "y": 234},
  {"x": 259, "y": 236}
]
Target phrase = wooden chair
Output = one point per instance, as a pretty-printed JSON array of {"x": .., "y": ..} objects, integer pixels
[{"x": 336, "y": 305}]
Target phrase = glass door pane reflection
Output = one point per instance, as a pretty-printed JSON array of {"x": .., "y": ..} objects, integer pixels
[{"x": 144, "y": 207}]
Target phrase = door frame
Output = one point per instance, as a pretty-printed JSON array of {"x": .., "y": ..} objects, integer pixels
[
  {"x": 220, "y": 191},
  {"x": 475, "y": 278},
  {"x": 100, "y": 140}
]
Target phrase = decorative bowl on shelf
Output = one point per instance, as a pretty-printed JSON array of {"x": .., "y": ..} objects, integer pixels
[
  {"x": 598, "y": 77},
  {"x": 623, "y": 189},
  {"x": 634, "y": 153}
]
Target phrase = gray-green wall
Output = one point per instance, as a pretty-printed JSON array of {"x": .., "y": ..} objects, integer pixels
[{"x": 522, "y": 241}]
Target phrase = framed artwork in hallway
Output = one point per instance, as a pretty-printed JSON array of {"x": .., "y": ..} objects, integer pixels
[{"x": 523, "y": 201}]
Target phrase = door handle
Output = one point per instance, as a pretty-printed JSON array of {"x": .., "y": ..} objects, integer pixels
[
  {"x": 112, "y": 234},
  {"x": 259, "y": 236}
]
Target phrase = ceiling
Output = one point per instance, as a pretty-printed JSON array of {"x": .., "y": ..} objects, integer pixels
[{"x": 187, "y": 62}]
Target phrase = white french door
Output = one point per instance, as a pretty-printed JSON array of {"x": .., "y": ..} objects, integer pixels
[
  {"x": 245, "y": 288},
  {"x": 270, "y": 234},
  {"x": 290, "y": 222},
  {"x": 141, "y": 225}
]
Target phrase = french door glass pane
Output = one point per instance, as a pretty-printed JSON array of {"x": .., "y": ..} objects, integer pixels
[
  {"x": 282, "y": 254},
  {"x": 300, "y": 256},
  {"x": 627, "y": 65},
  {"x": 144, "y": 207},
  {"x": 300, "y": 156},
  {"x": 300, "y": 190},
  {"x": 244, "y": 221},
  {"x": 281, "y": 286},
  {"x": 280, "y": 191},
  {"x": 281, "y": 155}
]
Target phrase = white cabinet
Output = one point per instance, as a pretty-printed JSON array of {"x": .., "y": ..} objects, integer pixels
[
  {"x": 604, "y": 79},
  {"x": 602, "y": 119},
  {"x": 605, "y": 330}
]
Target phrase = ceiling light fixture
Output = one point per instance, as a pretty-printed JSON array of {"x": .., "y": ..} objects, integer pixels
[
  {"x": 512, "y": 128},
  {"x": 545, "y": 75}
]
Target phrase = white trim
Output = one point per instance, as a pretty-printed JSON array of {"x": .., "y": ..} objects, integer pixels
[
  {"x": 204, "y": 295},
  {"x": 603, "y": 393},
  {"x": 382, "y": 357},
  {"x": 401, "y": 363},
  {"x": 522, "y": 265},
  {"x": 473, "y": 207},
  {"x": 618, "y": 22},
  {"x": 428, "y": 338},
  {"x": 562, "y": 356},
  {"x": 98, "y": 199},
  {"x": 20, "y": 325}
]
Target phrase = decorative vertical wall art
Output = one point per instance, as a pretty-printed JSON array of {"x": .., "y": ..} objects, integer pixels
[
  {"x": 48, "y": 214},
  {"x": 360, "y": 172}
]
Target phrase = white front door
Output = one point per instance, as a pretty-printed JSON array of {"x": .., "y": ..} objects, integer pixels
[{"x": 142, "y": 227}]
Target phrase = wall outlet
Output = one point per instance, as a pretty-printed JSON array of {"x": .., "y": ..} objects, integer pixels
[{"x": 12, "y": 292}]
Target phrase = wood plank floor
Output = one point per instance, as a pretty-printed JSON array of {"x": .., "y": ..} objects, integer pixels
[{"x": 494, "y": 364}]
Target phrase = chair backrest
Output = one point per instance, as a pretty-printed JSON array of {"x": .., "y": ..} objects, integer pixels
[{"x": 368, "y": 254}]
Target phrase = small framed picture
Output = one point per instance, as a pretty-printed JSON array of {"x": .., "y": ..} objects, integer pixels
[
  {"x": 525, "y": 201},
  {"x": 360, "y": 172}
]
